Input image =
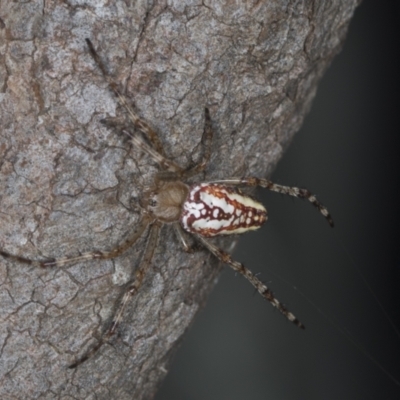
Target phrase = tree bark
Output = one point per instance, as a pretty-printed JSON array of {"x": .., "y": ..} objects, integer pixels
[{"x": 70, "y": 185}]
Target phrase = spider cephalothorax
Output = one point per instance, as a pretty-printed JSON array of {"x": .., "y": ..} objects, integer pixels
[
  {"x": 204, "y": 210},
  {"x": 165, "y": 201}
]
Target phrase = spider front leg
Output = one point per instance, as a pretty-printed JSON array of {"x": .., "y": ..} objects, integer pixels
[
  {"x": 261, "y": 288},
  {"x": 131, "y": 290},
  {"x": 162, "y": 161},
  {"x": 206, "y": 141},
  {"x": 42, "y": 264},
  {"x": 100, "y": 255},
  {"x": 274, "y": 187},
  {"x": 135, "y": 119}
]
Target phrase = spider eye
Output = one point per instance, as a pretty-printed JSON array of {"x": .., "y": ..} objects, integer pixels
[{"x": 152, "y": 203}]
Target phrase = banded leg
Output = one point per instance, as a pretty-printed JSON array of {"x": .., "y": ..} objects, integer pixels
[
  {"x": 100, "y": 255},
  {"x": 181, "y": 235},
  {"x": 24, "y": 260},
  {"x": 164, "y": 162},
  {"x": 206, "y": 141},
  {"x": 274, "y": 187},
  {"x": 131, "y": 290},
  {"x": 137, "y": 122},
  {"x": 261, "y": 288},
  {"x": 140, "y": 143}
]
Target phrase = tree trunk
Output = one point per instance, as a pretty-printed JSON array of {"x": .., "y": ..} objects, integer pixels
[{"x": 70, "y": 185}]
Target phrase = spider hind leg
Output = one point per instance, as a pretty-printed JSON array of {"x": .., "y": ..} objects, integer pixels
[
  {"x": 130, "y": 291},
  {"x": 258, "y": 285},
  {"x": 274, "y": 187}
]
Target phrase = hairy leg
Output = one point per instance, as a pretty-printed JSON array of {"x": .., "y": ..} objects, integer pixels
[
  {"x": 261, "y": 288},
  {"x": 206, "y": 142},
  {"x": 136, "y": 120},
  {"x": 131, "y": 290},
  {"x": 102, "y": 255},
  {"x": 164, "y": 162},
  {"x": 274, "y": 187}
]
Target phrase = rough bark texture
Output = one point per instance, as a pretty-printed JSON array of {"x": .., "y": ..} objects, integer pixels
[{"x": 68, "y": 184}]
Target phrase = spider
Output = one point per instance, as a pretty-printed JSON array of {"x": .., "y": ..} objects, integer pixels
[{"x": 204, "y": 210}]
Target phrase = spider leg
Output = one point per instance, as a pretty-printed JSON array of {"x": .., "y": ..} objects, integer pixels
[
  {"x": 164, "y": 162},
  {"x": 136, "y": 120},
  {"x": 140, "y": 143},
  {"x": 181, "y": 237},
  {"x": 188, "y": 247},
  {"x": 131, "y": 290},
  {"x": 261, "y": 288},
  {"x": 274, "y": 187},
  {"x": 24, "y": 260},
  {"x": 206, "y": 141},
  {"x": 101, "y": 255}
]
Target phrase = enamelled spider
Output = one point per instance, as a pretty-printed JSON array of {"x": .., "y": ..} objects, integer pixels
[{"x": 204, "y": 210}]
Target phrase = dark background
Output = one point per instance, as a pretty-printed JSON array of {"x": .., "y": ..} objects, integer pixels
[{"x": 348, "y": 154}]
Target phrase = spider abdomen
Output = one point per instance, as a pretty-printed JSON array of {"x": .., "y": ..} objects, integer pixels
[{"x": 215, "y": 209}]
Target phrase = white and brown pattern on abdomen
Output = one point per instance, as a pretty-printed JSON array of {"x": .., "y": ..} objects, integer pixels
[{"x": 212, "y": 209}]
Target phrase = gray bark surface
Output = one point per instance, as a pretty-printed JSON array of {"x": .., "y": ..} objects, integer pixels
[{"x": 70, "y": 185}]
